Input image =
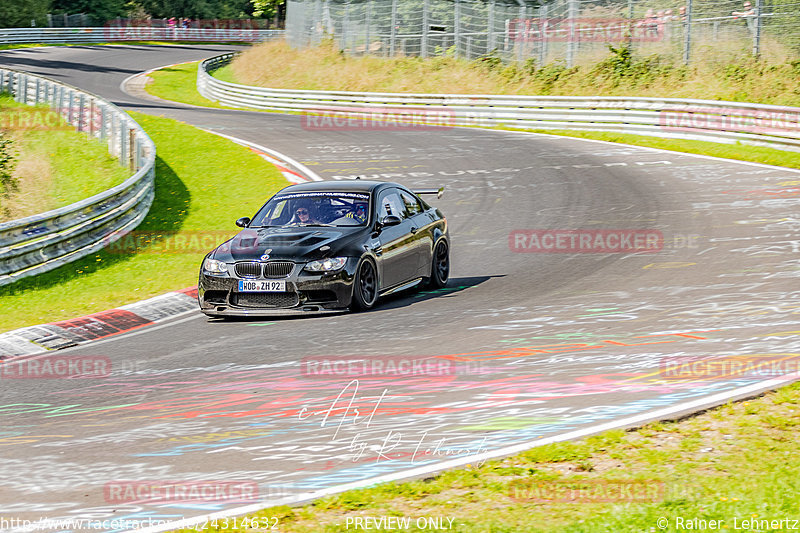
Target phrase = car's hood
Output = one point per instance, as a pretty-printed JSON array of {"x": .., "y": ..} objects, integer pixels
[{"x": 298, "y": 244}]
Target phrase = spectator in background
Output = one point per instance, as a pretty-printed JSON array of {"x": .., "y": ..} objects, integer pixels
[
  {"x": 651, "y": 23},
  {"x": 669, "y": 19},
  {"x": 748, "y": 13}
]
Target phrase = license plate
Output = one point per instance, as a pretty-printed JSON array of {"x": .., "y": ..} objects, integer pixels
[{"x": 262, "y": 286}]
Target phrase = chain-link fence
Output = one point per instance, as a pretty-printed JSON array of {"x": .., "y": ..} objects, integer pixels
[{"x": 574, "y": 31}]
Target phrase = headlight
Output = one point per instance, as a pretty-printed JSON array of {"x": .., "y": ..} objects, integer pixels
[
  {"x": 215, "y": 267},
  {"x": 327, "y": 265}
]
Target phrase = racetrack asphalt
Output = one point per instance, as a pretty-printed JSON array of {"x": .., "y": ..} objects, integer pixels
[{"x": 534, "y": 345}]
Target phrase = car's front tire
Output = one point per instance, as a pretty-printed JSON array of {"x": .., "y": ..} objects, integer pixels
[{"x": 365, "y": 286}]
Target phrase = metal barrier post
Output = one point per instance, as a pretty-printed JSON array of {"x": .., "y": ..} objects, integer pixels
[
  {"x": 490, "y": 35},
  {"x": 103, "y": 133},
  {"x": 393, "y": 32},
  {"x": 369, "y": 21},
  {"x": 687, "y": 33},
  {"x": 131, "y": 148},
  {"x": 457, "y": 28},
  {"x": 423, "y": 52},
  {"x": 123, "y": 141},
  {"x": 572, "y": 44},
  {"x": 757, "y": 33},
  {"x": 81, "y": 118}
]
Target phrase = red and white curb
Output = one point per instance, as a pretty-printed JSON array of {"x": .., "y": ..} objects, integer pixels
[{"x": 41, "y": 338}]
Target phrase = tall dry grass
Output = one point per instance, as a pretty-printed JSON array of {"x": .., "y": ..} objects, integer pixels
[
  {"x": 716, "y": 73},
  {"x": 33, "y": 176}
]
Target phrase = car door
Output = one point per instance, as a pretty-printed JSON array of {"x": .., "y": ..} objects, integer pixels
[
  {"x": 421, "y": 228},
  {"x": 397, "y": 254}
]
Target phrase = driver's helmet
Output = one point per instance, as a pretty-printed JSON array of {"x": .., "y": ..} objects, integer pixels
[{"x": 360, "y": 208}]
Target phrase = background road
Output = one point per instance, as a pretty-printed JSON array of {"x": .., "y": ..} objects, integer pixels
[{"x": 542, "y": 344}]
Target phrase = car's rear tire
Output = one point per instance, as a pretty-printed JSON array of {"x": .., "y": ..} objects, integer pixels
[
  {"x": 440, "y": 265},
  {"x": 365, "y": 287}
]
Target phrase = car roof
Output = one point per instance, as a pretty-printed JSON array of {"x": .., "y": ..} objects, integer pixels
[{"x": 337, "y": 186}]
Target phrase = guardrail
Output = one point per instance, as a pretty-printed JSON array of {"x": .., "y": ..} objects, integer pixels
[
  {"x": 706, "y": 120},
  {"x": 134, "y": 33},
  {"x": 42, "y": 242}
]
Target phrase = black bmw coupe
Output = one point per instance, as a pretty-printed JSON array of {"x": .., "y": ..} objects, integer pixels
[{"x": 326, "y": 247}]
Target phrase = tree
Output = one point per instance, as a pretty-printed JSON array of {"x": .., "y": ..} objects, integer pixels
[
  {"x": 99, "y": 11},
  {"x": 20, "y": 13},
  {"x": 266, "y": 8},
  {"x": 197, "y": 9}
]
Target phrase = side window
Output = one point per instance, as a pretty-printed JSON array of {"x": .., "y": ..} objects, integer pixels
[
  {"x": 390, "y": 204},
  {"x": 411, "y": 204}
]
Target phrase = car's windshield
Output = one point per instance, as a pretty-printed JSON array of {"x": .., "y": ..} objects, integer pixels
[{"x": 314, "y": 209}]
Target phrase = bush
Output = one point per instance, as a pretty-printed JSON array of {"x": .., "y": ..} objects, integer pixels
[{"x": 8, "y": 161}]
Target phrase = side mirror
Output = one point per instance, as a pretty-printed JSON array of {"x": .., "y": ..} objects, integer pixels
[
  {"x": 243, "y": 222},
  {"x": 390, "y": 220}
]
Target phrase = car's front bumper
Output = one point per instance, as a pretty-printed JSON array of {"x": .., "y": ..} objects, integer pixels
[{"x": 306, "y": 293}]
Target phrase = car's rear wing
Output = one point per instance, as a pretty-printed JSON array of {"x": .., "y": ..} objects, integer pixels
[{"x": 438, "y": 192}]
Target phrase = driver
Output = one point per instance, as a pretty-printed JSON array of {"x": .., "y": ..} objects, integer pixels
[
  {"x": 359, "y": 212},
  {"x": 302, "y": 215}
]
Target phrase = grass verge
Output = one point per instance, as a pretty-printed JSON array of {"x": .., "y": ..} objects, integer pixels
[
  {"x": 56, "y": 166},
  {"x": 738, "y": 151},
  {"x": 621, "y": 72},
  {"x": 732, "y": 464},
  {"x": 199, "y": 194},
  {"x": 178, "y": 84}
]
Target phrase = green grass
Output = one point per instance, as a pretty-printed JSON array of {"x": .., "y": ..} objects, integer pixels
[
  {"x": 225, "y": 74},
  {"x": 738, "y": 151},
  {"x": 56, "y": 165},
  {"x": 178, "y": 84},
  {"x": 737, "y": 461},
  {"x": 203, "y": 184}
]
